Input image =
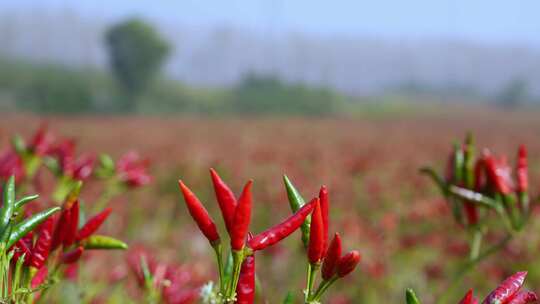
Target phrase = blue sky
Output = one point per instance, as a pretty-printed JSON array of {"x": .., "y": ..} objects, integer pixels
[{"x": 491, "y": 21}]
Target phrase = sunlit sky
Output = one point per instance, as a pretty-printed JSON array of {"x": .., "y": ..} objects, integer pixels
[{"x": 491, "y": 21}]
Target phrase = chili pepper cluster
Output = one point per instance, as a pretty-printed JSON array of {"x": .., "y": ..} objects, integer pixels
[
  {"x": 39, "y": 249},
  {"x": 477, "y": 187},
  {"x": 508, "y": 292},
  {"x": 237, "y": 278}
]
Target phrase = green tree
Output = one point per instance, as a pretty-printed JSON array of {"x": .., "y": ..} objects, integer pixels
[{"x": 136, "y": 52}]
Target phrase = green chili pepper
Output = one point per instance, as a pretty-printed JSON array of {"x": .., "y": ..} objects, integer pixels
[
  {"x": 22, "y": 228},
  {"x": 411, "y": 297},
  {"x": 103, "y": 242},
  {"x": 25, "y": 200},
  {"x": 459, "y": 160},
  {"x": 296, "y": 201},
  {"x": 289, "y": 298},
  {"x": 9, "y": 204}
]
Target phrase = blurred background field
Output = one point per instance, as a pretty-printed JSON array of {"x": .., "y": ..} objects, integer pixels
[{"x": 355, "y": 96}]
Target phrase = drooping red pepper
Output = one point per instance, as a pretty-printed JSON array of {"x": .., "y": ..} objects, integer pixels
[
  {"x": 72, "y": 225},
  {"x": 62, "y": 226},
  {"x": 93, "y": 224},
  {"x": 278, "y": 232},
  {"x": 41, "y": 249},
  {"x": 522, "y": 170},
  {"x": 199, "y": 214},
  {"x": 316, "y": 234},
  {"x": 72, "y": 256},
  {"x": 523, "y": 297},
  {"x": 225, "y": 198},
  {"x": 506, "y": 290},
  {"x": 333, "y": 254},
  {"x": 242, "y": 217},
  {"x": 347, "y": 263},
  {"x": 469, "y": 298},
  {"x": 323, "y": 197},
  {"x": 245, "y": 290}
]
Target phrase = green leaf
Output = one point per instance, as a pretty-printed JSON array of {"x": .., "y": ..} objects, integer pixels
[
  {"x": 9, "y": 204},
  {"x": 296, "y": 201},
  {"x": 411, "y": 297},
  {"x": 29, "y": 224},
  {"x": 25, "y": 200},
  {"x": 103, "y": 242},
  {"x": 439, "y": 181}
]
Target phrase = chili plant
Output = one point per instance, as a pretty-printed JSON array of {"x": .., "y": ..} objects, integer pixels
[
  {"x": 477, "y": 188},
  {"x": 237, "y": 277}
]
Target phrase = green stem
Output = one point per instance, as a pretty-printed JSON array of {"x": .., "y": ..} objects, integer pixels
[
  {"x": 218, "y": 250},
  {"x": 476, "y": 244},
  {"x": 111, "y": 189},
  {"x": 238, "y": 258},
  {"x": 323, "y": 288},
  {"x": 311, "y": 272},
  {"x": 458, "y": 278}
]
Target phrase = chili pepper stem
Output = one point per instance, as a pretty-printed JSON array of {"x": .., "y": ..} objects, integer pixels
[
  {"x": 476, "y": 244},
  {"x": 112, "y": 188},
  {"x": 238, "y": 258},
  {"x": 218, "y": 250},
  {"x": 311, "y": 273},
  {"x": 323, "y": 287}
]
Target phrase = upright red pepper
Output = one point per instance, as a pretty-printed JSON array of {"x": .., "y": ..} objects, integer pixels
[
  {"x": 332, "y": 257},
  {"x": 469, "y": 298},
  {"x": 347, "y": 263},
  {"x": 506, "y": 290},
  {"x": 93, "y": 224},
  {"x": 282, "y": 230},
  {"x": 522, "y": 170},
  {"x": 245, "y": 290},
  {"x": 242, "y": 217},
  {"x": 225, "y": 198},
  {"x": 41, "y": 249},
  {"x": 323, "y": 197},
  {"x": 199, "y": 214},
  {"x": 62, "y": 226},
  {"x": 499, "y": 174},
  {"x": 73, "y": 225},
  {"x": 316, "y": 234}
]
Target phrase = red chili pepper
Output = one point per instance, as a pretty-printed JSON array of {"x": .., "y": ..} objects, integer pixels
[
  {"x": 332, "y": 257},
  {"x": 93, "y": 224},
  {"x": 479, "y": 175},
  {"x": 323, "y": 197},
  {"x": 62, "y": 226},
  {"x": 83, "y": 167},
  {"x": 316, "y": 234},
  {"x": 21, "y": 248},
  {"x": 522, "y": 170},
  {"x": 524, "y": 297},
  {"x": 469, "y": 298},
  {"x": 225, "y": 198},
  {"x": 245, "y": 291},
  {"x": 347, "y": 263},
  {"x": 73, "y": 225},
  {"x": 72, "y": 256},
  {"x": 280, "y": 231},
  {"x": 242, "y": 217},
  {"x": 41, "y": 249},
  {"x": 506, "y": 290},
  {"x": 199, "y": 214},
  {"x": 39, "y": 277},
  {"x": 499, "y": 174}
]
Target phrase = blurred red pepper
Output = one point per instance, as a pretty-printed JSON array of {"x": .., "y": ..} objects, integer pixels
[
  {"x": 278, "y": 232},
  {"x": 522, "y": 170},
  {"x": 226, "y": 199},
  {"x": 506, "y": 290},
  {"x": 499, "y": 174},
  {"x": 42, "y": 248},
  {"x": 200, "y": 215},
  {"x": 242, "y": 217},
  {"x": 93, "y": 224},
  {"x": 72, "y": 256},
  {"x": 332, "y": 257},
  {"x": 523, "y": 297},
  {"x": 132, "y": 170},
  {"x": 316, "y": 234},
  {"x": 245, "y": 291},
  {"x": 72, "y": 226}
]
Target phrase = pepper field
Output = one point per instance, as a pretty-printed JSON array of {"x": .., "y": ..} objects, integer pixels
[{"x": 379, "y": 202}]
